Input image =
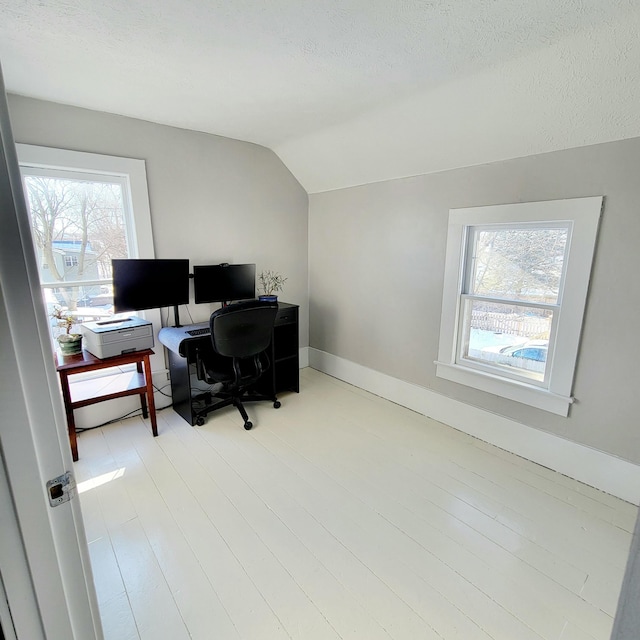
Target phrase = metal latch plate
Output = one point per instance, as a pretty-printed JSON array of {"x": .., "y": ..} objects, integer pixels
[{"x": 61, "y": 489}]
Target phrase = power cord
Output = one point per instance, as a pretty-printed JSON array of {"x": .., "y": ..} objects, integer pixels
[
  {"x": 160, "y": 390},
  {"x": 131, "y": 414}
]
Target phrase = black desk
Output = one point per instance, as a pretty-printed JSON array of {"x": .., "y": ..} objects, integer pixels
[{"x": 282, "y": 375}]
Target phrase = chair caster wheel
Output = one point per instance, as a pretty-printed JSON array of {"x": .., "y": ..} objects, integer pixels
[
  {"x": 199, "y": 421},
  {"x": 248, "y": 424},
  {"x": 276, "y": 404}
]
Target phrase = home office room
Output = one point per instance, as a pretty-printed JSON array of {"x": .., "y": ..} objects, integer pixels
[{"x": 450, "y": 192}]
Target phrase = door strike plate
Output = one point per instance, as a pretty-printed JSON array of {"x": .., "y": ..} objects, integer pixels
[{"x": 61, "y": 489}]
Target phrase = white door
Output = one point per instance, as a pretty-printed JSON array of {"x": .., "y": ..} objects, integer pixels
[{"x": 46, "y": 586}]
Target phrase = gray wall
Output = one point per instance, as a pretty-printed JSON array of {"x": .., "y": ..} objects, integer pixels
[
  {"x": 212, "y": 199},
  {"x": 376, "y": 264}
]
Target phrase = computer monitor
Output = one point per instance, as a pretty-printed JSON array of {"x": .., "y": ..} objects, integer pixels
[
  {"x": 224, "y": 282},
  {"x": 149, "y": 284}
]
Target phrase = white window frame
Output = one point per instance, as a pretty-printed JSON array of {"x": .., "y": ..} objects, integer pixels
[
  {"x": 133, "y": 174},
  {"x": 582, "y": 215}
]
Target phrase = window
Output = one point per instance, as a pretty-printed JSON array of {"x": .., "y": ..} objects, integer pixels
[
  {"x": 86, "y": 209},
  {"x": 516, "y": 280},
  {"x": 80, "y": 222}
]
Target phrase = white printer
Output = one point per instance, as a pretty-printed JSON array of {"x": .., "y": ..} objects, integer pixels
[{"x": 112, "y": 337}]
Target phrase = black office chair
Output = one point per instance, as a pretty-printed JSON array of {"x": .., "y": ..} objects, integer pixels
[{"x": 240, "y": 335}]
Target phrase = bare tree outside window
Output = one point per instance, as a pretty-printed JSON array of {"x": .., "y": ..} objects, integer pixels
[
  {"x": 519, "y": 264},
  {"x": 78, "y": 228}
]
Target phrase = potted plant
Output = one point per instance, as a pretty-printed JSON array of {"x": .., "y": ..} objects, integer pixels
[
  {"x": 70, "y": 343},
  {"x": 269, "y": 282}
]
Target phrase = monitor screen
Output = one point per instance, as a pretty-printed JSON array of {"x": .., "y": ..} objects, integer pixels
[
  {"x": 149, "y": 284},
  {"x": 224, "y": 282}
]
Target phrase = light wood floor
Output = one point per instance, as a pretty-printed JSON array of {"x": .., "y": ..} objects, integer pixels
[{"x": 341, "y": 515}]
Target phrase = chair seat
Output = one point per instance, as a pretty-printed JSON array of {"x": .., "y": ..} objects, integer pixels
[{"x": 222, "y": 371}]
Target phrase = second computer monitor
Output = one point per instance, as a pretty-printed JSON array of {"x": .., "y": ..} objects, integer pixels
[{"x": 224, "y": 282}]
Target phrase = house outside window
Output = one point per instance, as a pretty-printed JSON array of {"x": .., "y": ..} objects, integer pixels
[
  {"x": 516, "y": 281},
  {"x": 70, "y": 261}
]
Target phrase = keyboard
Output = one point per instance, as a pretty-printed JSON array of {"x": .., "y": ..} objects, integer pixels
[{"x": 199, "y": 332}]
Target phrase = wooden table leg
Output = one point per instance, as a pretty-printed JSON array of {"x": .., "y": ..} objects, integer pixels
[
  {"x": 71, "y": 423},
  {"x": 150, "y": 399}
]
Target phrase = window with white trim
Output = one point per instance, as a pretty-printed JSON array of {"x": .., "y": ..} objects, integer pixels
[
  {"x": 80, "y": 221},
  {"x": 86, "y": 209},
  {"x": 516, "y": 282}
]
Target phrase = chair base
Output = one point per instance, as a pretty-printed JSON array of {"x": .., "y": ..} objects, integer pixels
[{"x": 221, "y": 399}]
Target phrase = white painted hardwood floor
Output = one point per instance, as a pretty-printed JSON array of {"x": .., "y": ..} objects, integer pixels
[{"x": 341, "y": 515}]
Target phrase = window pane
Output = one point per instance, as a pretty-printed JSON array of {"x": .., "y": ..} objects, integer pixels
[
  {"x": 518, "y": 263},
  {"x": 78, "y": 227},
  {"x": 78, "y": 303},
  {"x": 509, "y": 336}
]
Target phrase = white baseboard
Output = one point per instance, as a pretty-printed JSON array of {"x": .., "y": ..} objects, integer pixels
[
  {"x": 303, "y": 357},
  {"x": 595, "y": 468}
]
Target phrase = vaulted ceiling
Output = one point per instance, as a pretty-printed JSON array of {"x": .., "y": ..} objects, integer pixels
[{"x": 344, "y": 91}]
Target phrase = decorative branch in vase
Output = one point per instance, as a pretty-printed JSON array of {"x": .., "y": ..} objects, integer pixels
[{"x": 270, "y": 282}]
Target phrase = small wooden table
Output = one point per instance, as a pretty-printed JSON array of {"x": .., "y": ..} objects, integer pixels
[{"x": 128, "y": 385}]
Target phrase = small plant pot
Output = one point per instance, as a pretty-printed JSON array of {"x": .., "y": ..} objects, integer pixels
[
  {"x": 70, "y": 343},
  {"x": 268, "y": 298}
]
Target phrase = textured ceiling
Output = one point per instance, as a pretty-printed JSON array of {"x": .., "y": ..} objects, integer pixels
[{"x": 345, "y": 91}]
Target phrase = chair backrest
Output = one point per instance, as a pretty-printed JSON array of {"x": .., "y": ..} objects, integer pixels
[{"x": 243, "y": 329}]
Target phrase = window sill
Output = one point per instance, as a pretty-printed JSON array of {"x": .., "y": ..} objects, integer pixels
[{"x": 510, "y": 389}]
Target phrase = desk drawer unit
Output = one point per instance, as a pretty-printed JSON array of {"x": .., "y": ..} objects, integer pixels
[
  {"x": 284, "y": 349},
  {"x": 283, "y": 374}
]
